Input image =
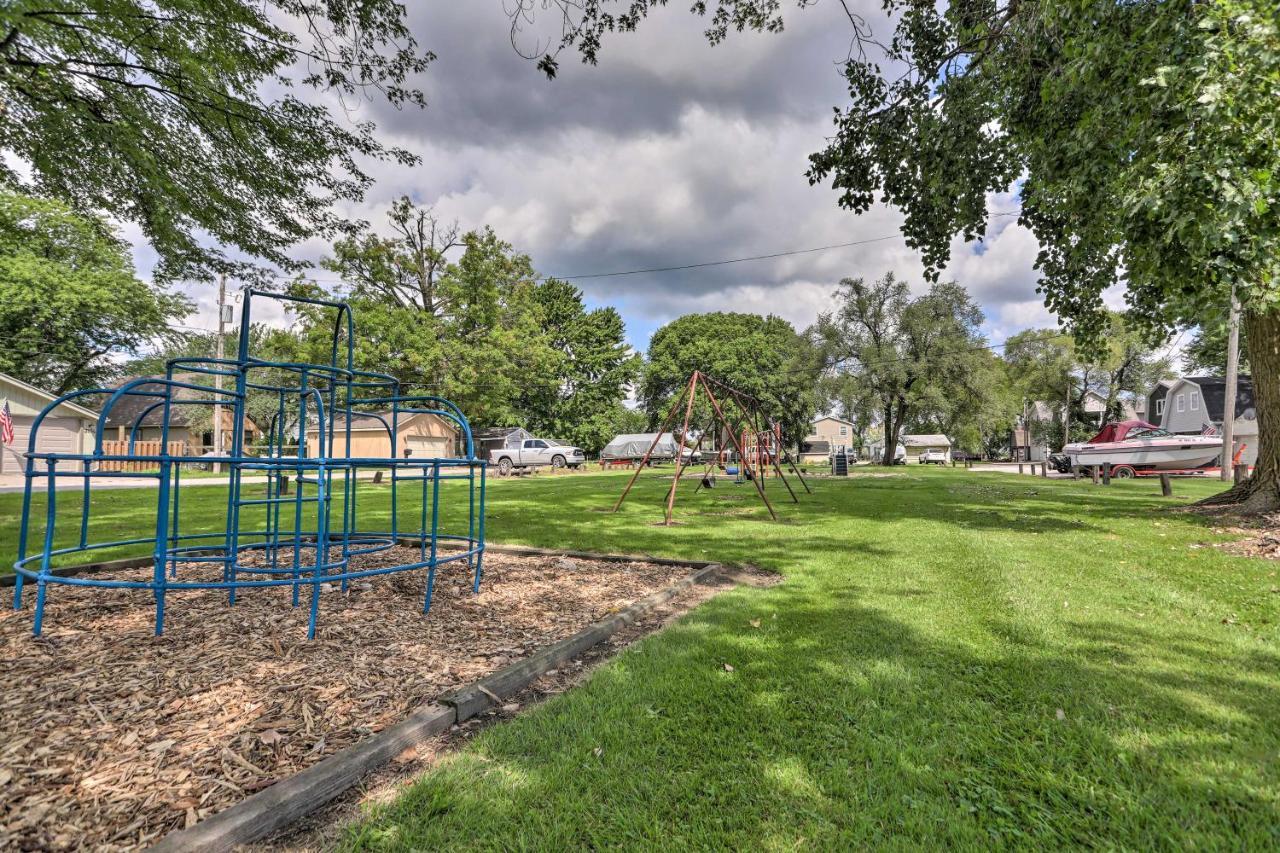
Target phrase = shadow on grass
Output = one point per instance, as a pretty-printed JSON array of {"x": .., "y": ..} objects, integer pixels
[{"x": 842, "y": 726}]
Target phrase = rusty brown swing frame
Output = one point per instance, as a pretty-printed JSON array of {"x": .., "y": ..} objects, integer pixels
[{"x": 753, "y": 426}]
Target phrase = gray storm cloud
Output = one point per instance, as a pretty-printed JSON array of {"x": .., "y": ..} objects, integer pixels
[{"x": 669, "y": 152}]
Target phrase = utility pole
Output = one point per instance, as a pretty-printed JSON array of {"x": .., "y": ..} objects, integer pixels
[
  {"x": 1066, "y": 415},
  {"x": 1229, "y": 402},
  {"x": 217, "y": 376}
]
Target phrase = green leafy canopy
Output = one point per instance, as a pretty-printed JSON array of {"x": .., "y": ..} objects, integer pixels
[
  {"x": 69, "y": 299},
  {"x": 1141, "y": 136},
  {"x": 185, "y": 116}
]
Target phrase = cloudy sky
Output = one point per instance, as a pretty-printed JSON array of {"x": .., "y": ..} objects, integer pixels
[{"x": 669, "y": 152}]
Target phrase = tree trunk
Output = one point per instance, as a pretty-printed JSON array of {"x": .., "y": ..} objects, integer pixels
[{"x": 1261, "y": 492}]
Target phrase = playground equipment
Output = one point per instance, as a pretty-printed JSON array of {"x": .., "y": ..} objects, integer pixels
[
  {"x": 306, "y": 539},
  {"x": 756, "y": 441}
]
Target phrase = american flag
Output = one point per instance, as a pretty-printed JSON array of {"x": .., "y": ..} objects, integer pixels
[{"x": 6, "y": 424}]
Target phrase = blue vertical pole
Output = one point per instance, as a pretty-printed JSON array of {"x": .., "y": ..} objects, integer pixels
[
  {"x": 435, "y": 528},
  {"x": 297, "y": 493},
  {"x": 322, "y": 551},
  {"x": 173, "y": 530},
  {"x": 22, "y": 531},
  {"x": 84, "y": 507},
  {"x": 162, "y": 536},
  {"x": 480, "y": 537},
  {"x": 422, "y": 521},
  {"x": 50, "y": 518},
  {"x": 160, "y": 567},
  {"x": 471, "y": 514}
]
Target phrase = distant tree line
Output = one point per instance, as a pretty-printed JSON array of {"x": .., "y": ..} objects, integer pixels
[{"x": 463, "y": 315}]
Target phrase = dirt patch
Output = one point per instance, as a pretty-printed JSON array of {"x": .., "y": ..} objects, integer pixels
[
  {"x": 1258, "y": 536},
  {"x": 115, "y": 737},
  {"x": 322, "y": 830}
]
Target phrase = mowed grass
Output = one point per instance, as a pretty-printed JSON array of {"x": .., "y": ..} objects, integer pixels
[{"x": 955, "y": 659}]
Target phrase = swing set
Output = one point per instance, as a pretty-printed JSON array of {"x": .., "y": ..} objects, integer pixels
[{"x": 756, "y": 443}]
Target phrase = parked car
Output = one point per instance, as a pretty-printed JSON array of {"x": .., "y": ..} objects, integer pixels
[
  {"x": 933, "y": 456},
  {"x": 535, "y": 452}
]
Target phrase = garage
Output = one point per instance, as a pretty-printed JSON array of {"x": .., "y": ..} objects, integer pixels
[
  {"x": 418, "y": 435},
  {"x": 67, "y": 429}
]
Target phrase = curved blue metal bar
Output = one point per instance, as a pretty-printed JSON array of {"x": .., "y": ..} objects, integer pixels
[{"x": 259, "y": 545}]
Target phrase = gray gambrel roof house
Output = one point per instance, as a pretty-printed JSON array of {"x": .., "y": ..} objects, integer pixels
[{"x": 1211, "y": 392}]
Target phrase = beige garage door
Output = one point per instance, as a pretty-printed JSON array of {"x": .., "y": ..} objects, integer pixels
[
  {"x": 57, "y": 435},
  {"x": 428, "y": 446}
]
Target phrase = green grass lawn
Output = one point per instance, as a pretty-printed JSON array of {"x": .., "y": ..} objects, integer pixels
[{"x": 955, "y": 659}]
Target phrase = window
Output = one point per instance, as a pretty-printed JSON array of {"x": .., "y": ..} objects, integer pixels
[
  {"x": 1195, "y": 401},
  {"x": 844, "y": 430},
  {"x": 535, "y": 444},
  {"x": 1182, "y": 402},
  {"x": 1159, "y": 408}
]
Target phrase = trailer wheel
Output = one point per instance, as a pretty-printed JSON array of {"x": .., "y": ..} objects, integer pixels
[{"x": 1124, "y": 472}]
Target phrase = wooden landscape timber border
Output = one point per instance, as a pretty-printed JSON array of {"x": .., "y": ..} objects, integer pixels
[{"x": 276, "y": 807}]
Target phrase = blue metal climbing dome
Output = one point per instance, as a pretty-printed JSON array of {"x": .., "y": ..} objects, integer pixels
[{"x": 306, "y": 538}]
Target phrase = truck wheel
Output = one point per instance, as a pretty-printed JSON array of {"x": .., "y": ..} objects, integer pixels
[
  {"x": 557, "y": 461},
  {"x": 504, "y": 466}
]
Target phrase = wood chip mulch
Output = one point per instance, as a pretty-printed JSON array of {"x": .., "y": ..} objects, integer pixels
[{"x": 113, "y": 737}]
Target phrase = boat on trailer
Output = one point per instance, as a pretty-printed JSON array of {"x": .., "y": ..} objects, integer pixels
[{"x": 1134, "y": 447}]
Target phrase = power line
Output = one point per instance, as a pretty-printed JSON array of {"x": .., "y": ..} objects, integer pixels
[
  {"x": 727, "y": 261},
  {"x": 691, "y": 266}
]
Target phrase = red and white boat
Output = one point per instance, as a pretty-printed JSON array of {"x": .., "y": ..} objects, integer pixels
[{"x": 1134, "y": 446}]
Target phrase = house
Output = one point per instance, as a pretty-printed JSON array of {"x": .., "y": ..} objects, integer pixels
[
  {"x": 498, "y": 438},
  {"x": 191, "y": 425},
  {"x": 833, "y": 431},
  {"x": 67, "y": 429},
  {"x": 1188, "y": 405},
  {"x": 419, "y": 435},
  {"x": 827, "y": 434},
  {"x": 918, "y": 444},
  {"x": 1028, "y": 444}
]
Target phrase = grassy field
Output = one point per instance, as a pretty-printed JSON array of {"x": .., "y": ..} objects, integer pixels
[{"x": 959, "y": 659}]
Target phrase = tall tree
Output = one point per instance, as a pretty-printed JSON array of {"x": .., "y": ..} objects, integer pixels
[
  {"x": 909, "y": 355},
  {"x": 1126, "y": 366},
  {"x": 69, "y": 300},
  {"x": 181, "y": 115},
  {"x": 594, "y": 367},
  {"x": 762, "y": 357},
  {"x": 1142, "y": 135},
  {"x": 1206, "y": 352},
  {"x": 465, "y": 316}
]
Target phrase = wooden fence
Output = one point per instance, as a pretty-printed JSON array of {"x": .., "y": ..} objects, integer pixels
[{"x": 140, "y": 448}]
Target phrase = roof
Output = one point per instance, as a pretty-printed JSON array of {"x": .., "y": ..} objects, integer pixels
[
  {"x": 924, "y": 440},
  {"x": 129, "y": 406},
  {"x": 45, "y": 395},
  {"x": 372, "y": 420},
  {"x": 490, "y": 433},
  {"x": 833, "y": 418},
  {"x": 1213, "y": 389}
]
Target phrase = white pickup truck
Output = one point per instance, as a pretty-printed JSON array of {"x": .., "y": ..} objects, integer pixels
[{"x": 534, "y": 452}]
